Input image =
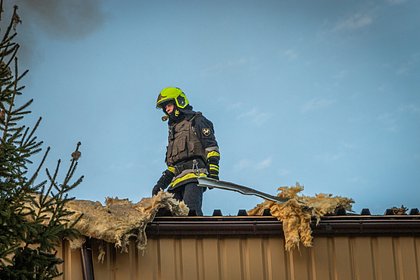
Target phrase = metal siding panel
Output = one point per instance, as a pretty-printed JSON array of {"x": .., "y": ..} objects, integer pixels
[
  {"x": 67, "y": 266},
  {"x": 254, "y": 260},
  {"x": 266, "y": 258},
  {"x": 277, "y": 259},
  {"x": 363, "y": 259},
  {"x": 103, "y": 270},
  {"x": 398, "y": 258},
  {"x": 189, "y": 264},
  {"x": 338, "y": 258},
  {"x": 385, "y": 258},
  {"x": 300, "y": 264},
  {"x": 374, "y": 250},
  {"x": 321, "y": 259},
  {"x": 178, "y": 259},
  {"x": 232, "y": 265},
  {"x": 122, "y": 265},
  {"x": 417, "y": 248},
  {"x": 211, "y": 259},
  {"x": 343, "y": 259},
  {"x": 112, "y": 261},
  {"x": 148, "y": 261},
  {"x": 331, "y": 257},
  {"x": 200, "y": 259},
  {"x": 409, "y": 267},
  {"x": 72, "y": 263},
  {"x": 132, "y": 257},
  {"x": 167, "y": 269}
]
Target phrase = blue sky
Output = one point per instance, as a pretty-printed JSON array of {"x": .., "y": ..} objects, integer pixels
[{"x": 324, "y": 93}]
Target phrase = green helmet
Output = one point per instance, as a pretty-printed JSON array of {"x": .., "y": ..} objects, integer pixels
[{"x": 172, "y": 94}]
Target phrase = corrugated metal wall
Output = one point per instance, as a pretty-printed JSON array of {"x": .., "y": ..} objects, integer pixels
[{"x": 255, "y": 258}]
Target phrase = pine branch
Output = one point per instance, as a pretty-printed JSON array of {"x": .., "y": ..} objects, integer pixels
[
  {"x": 32, "y": 132},
  {"x": 33, "y": 217},
  {"x": 24, "y": 106},
  {"x": 35, "y": 175},
  {"x": 6, "y": 34}
]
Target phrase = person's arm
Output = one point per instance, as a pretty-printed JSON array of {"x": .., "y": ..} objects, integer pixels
[
  {"x": 213, "y": 158},
  {"x": 205, "y": 131},
  {"x": 164, "y": 180}
]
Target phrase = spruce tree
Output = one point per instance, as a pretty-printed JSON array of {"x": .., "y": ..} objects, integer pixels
[{"x": 33, "y": 216}]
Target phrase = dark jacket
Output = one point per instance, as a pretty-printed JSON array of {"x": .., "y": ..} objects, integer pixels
[{"x": 192, "y": 147}]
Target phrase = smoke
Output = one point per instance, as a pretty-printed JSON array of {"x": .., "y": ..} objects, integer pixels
[
  {"x": 56, "y": 19},
  {"x": 63, "y": 19}
]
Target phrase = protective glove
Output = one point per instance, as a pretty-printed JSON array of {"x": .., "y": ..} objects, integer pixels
[{"x": 163, "y": 182}]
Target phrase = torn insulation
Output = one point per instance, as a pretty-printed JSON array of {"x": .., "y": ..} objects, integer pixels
[
  {"x": 296, "y": 214},
  {"x": 119, "y": 219}
]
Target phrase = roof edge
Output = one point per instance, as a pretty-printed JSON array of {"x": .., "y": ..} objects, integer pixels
[{"x": 266, "y": 226}]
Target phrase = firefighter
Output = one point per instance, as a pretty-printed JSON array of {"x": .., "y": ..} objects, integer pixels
[{"x": 192, "y": 149}]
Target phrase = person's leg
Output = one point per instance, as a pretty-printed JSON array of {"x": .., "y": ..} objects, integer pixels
[{"x": 193, "y": 197}]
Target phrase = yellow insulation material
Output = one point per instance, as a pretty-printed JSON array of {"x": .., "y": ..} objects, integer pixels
[
  {"x": 120, "y": 219},
  {"x": 297, "y": 212}
]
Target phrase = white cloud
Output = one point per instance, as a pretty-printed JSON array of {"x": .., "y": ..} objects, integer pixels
[
  {"x": 329, "y": 157},
  {"x": 242, "y": 164},
  {"x": 316, "y": 104},
  {"x": 255, "y": 116},
  {"x": 234, "y": 105},
  {"x": 264, "y": 164},
  {"x": 252, "y": 165},
  {"x": 354, "y": 22}
]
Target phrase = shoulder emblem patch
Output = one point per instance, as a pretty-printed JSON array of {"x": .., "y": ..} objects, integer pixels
[{"x": 206, "y": 131}]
